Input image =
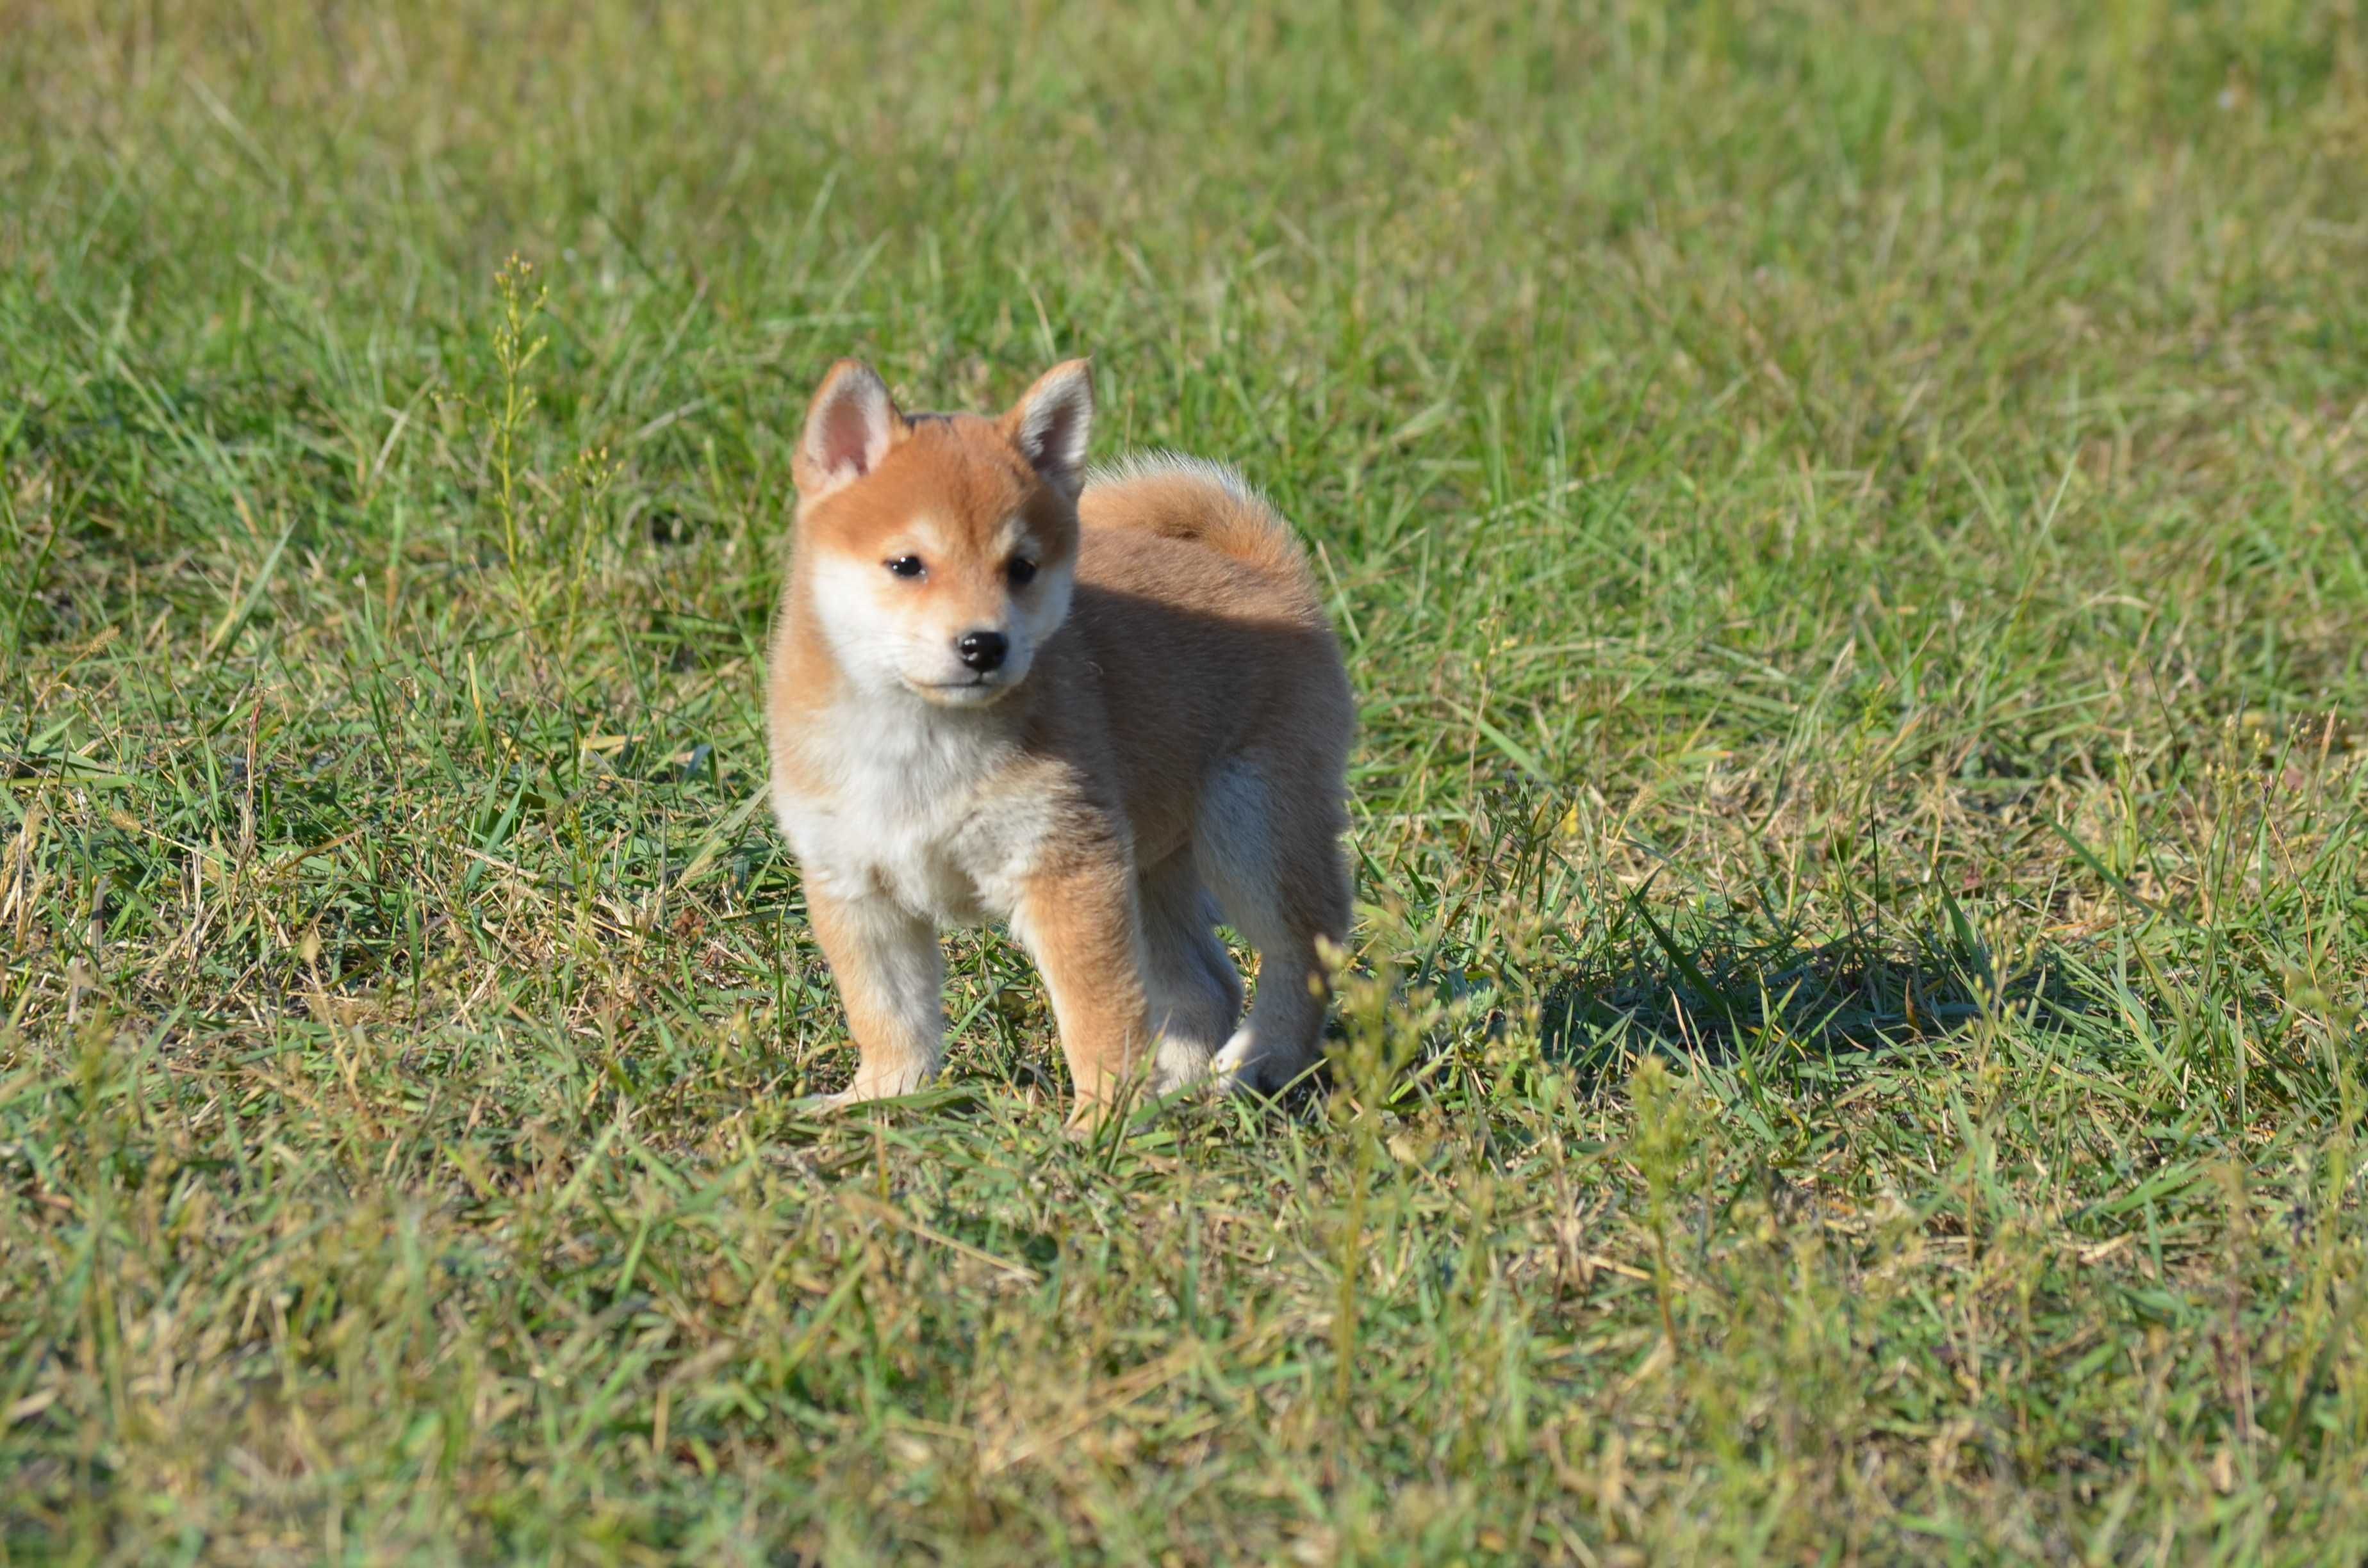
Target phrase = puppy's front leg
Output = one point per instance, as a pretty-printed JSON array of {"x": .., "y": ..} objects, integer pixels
[
  {"x": 1079, "y": 922},
  {"x": 891, "y": 977}
]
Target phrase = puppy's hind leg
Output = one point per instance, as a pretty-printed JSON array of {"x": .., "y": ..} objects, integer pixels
[
  {"x": 1273, "y": 855},
  {"x": 1195, "y": 991}
]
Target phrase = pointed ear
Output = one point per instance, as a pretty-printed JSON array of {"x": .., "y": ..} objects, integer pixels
[
  {"x": 1052, "y": 423},
  {"x": 850, "y": 425}
]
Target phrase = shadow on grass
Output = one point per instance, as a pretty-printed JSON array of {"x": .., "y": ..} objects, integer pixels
[{"x": 1722, "y": 982}]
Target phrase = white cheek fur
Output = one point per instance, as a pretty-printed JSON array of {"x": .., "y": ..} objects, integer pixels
[
  {"x": 1052, "y": 604},
  {"x": 864, "y": 633},
  {"x": 1030, "y": 626}
]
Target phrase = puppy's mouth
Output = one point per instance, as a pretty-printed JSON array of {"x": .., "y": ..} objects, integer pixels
[{"x": 974, "y": 691}]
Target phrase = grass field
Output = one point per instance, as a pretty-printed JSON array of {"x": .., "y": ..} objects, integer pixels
[{"x": 1847, "y": 522}]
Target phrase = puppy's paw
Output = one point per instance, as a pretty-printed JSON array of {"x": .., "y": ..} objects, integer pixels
[
  {"x": 1235, "y": 1068},
  {"x": 872, "y": 1084},
  {"x": 1179, "y": 1064},
  {"x": 1244, "y": 1068}
]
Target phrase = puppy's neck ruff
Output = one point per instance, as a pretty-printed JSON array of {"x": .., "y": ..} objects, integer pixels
[{"x": 895, "y": 797}]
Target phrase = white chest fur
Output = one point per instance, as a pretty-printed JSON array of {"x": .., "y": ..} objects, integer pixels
[{"x": 905, "y": 807}]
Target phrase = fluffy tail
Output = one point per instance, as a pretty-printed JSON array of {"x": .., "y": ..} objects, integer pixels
[{"x": 1195, "y": 500}]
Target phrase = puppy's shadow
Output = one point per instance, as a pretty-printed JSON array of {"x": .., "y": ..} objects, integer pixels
[{"x": 1715, "y": 986}]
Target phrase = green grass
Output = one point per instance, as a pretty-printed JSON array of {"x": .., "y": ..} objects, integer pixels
[{"x": 1846, "y": 523}]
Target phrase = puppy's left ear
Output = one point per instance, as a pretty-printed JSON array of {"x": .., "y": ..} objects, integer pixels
[{"x": 1052, "y": 423}]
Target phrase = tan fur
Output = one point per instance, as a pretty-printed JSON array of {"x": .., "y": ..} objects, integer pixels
[{"x": 1165, "y": 740}]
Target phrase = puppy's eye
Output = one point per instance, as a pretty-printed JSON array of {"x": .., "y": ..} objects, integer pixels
[
  {"x": 1022, "y": 571},
  {"x": 907, "y": 566}
]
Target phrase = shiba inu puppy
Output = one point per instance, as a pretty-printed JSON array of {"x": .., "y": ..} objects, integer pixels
[{"x": 1104, "y": 709}]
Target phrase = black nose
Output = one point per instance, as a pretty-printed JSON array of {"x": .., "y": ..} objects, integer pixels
[{"x": 983, "y": 651}]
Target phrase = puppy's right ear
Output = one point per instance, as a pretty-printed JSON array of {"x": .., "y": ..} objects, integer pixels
[{"x": 850, "y": 427}]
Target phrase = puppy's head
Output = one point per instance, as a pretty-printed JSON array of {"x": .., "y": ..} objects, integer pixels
[{"x": 942, "y": 548}]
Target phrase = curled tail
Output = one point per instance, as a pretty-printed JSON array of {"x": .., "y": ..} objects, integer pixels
[{"x": 1200, "y": 502}]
